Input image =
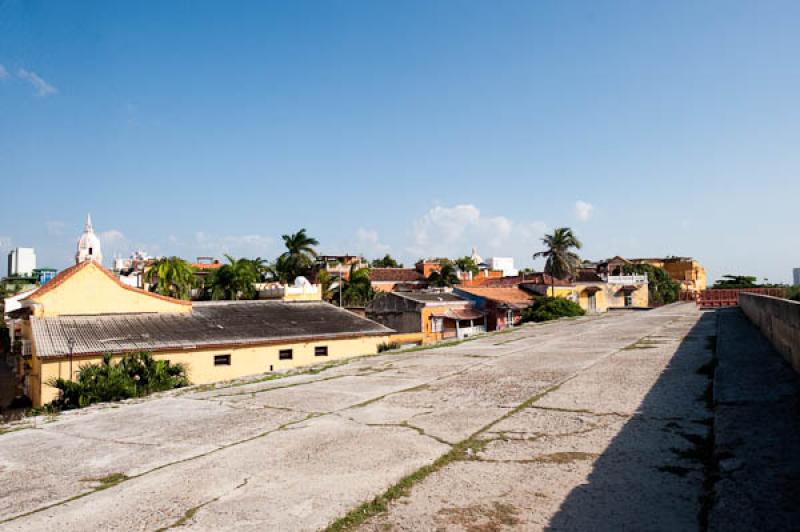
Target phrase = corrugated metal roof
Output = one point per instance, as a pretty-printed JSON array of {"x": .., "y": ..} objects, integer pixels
[{"x": 223, "y": 323}]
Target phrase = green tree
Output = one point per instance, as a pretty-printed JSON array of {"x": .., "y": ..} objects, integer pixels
[
  {"x": 357, "y": 290},
  {"x": 560, "y": 261},
  {"x": 327, "y": 283},
  {"x": 170, "y": 276},
  {"x": 466, "y": 264},
  {"x": 444, "y": 276},
  {"x": 386, "y": 262},
  {"x": 235, "y": 280},
  {"x": 661, "y": 289},
  {"x": 736, "y": 281},
  {"x": 298, "y": 257}
]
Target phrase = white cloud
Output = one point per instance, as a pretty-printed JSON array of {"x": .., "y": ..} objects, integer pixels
[
  {"x": 42, "y": 87},
  {"x": 368, "y": 243},
  {"x": 111, "y": 237},
  {"x": 3, "y": 72},
  {"x": 583, "y": 210},
  {"x": 55, "y": 227},
  {"x": 250, "y": 246},
  {"x": 453, "y": 231}
]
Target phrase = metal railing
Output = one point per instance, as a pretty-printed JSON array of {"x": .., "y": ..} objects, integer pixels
[{"x": 627, "y": 279}]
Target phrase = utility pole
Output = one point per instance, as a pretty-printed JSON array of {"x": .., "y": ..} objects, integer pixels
[{"x": 71, "y": 344}]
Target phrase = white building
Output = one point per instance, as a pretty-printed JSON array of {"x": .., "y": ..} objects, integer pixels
[
  {"x": 504, "y": 264},
  {"x": 21, "y": 261},
  {"x": 797, "y": 276},
  {"x": 88, "y": 245}
]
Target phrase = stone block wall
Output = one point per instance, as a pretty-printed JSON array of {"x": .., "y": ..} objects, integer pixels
[{"x": 779, "y": 320}]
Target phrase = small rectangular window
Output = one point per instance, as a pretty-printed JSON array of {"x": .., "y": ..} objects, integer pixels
[
  {"x": 321, "y": 351},
  {"x": 285, "y": 354},
  {"x": 222, "y": 360}
]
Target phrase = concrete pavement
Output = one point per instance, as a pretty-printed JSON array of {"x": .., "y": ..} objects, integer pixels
[{"x": 300, "y": 452}]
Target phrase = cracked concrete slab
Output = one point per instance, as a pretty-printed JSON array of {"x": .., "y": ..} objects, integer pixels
[{"x": 247, "y": 456}]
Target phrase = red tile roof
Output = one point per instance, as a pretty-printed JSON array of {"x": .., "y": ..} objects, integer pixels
[
  {"x": 527, "y": 278},
  {"x": 500, "y": 295},
  {"x": 59, "y": 279},
  {"x": 398, "y": 275}
]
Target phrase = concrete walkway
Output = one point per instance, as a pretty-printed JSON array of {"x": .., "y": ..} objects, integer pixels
[
  {"x": 613, "y": 447},
  {"x": 757, "y": 432}
]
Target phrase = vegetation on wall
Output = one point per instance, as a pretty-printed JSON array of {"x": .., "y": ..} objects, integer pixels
[
  {"x": 551, "y": 308},
  {"x": 135, "y": 375},
  {"x": 662, "y": 290}
]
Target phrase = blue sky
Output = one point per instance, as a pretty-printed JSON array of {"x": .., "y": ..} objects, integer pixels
[{"x": 417, "y": 128}]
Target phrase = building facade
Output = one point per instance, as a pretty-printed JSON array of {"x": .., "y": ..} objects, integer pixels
[
  {"x": 426, "y": 317},
  {"x": 797, "y": 276},
  {"x": 21, "y": 262},
  {"x": 86, "y": 311}
]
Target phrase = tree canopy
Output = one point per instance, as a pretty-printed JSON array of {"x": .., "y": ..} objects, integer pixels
[
  {"x": 444, "y": 276},
  {"x": 467, "y": 264},
  {"x": 661, "y": 288},
  {"x": 386, "y": 262},
  {"x": 560, "y": 261},
  {"x": 170, "y": 276}
]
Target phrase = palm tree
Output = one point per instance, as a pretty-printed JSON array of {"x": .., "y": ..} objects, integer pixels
[
  {"x": 170, "y": 276},
  {"x": 357, "y": 290},
  {"x": 561, "y": 262},
  {"x": 298, "y": 257},
  {"x": 445, "y": 276},
  {"x": 235, "y": 280}
]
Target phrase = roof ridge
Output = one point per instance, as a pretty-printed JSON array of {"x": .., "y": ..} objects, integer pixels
[{"x": 62, "y": 276}]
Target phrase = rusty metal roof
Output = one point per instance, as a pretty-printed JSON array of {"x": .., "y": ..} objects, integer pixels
[{"x": 209, "y": 324}]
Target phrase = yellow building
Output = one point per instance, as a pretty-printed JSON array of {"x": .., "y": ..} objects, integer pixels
[
  {"x": 686, "y": 271},
  {"x": 86, "y": 311},
  {"x": 596, "y": 294}
]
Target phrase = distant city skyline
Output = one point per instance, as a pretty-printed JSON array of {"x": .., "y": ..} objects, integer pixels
[{"x": 416, "y": 129}]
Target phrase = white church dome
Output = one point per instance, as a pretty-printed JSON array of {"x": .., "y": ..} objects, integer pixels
[{"x": 88, "y": 245}]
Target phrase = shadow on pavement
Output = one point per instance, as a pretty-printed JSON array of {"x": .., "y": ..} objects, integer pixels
[{"x": 652, "y": 474}]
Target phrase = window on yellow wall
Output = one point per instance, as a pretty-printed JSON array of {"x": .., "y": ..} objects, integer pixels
[
  {"x": 222, "y": 360},
  {"x": 285, "y": 354},
  {"x": 321, "y": 351}
]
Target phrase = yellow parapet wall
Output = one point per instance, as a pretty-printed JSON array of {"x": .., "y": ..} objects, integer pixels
[
  {"x": 94, "y": 290},
  {"x": 249, "y": 360}
]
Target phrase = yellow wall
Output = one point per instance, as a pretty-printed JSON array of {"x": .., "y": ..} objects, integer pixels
[
  {"x": 91, "y": 291},
  {"x": 601, "y": 302},
  {"x": 200, "y": 363},
  {"x": 428, "y": 336},
  {"x": 610, "y": 296}
]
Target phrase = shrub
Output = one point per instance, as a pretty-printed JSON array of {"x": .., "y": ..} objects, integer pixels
[
  {"x": 551, "y": 308},
  {"x": 135, "y": 375},
  {"x": 388, "y": 346}
]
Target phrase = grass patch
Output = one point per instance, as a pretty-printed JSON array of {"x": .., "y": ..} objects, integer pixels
[
  {"x": 465, "y": 450},
  {"x": 563, "y": 457},
  {"x": 108, "y": 481}
]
